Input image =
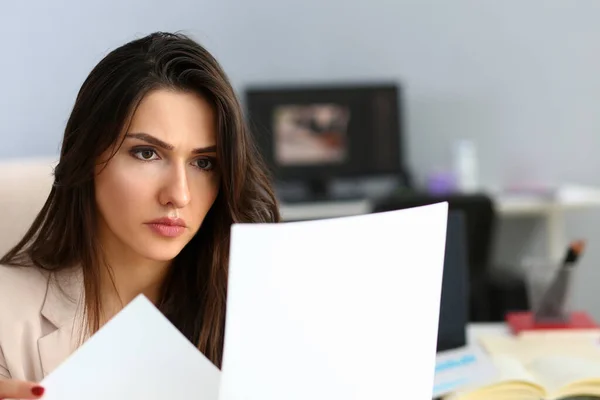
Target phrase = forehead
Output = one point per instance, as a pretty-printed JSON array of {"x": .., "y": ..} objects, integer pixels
[{"x": 177, "y": 117}]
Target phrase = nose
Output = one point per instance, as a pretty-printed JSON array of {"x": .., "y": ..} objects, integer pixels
[{"x": 175, "y": 190}]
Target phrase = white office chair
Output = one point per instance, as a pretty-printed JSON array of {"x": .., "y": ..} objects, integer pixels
[{"x": 24, "y": 187}]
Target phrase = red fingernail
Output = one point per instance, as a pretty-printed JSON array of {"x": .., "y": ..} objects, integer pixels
[{"x": 37, "y": 391}]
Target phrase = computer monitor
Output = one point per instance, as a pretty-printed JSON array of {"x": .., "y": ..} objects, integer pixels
[{"x": 313, "y": 135}]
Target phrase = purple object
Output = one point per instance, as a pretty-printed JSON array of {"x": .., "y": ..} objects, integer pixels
[{"x": 441, "y": 183}]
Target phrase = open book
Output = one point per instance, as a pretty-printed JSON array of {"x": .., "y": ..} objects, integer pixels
[
  {"x": 549, "y": 367},
  {"x": 548, "y": 378}
]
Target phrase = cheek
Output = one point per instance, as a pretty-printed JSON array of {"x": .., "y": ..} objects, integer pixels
[
  {"x": 121, "y": 191},
  {"x": 204, "y": 191}
]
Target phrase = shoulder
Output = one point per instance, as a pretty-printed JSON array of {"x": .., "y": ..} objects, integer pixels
[{"x": 22, "y": 291}]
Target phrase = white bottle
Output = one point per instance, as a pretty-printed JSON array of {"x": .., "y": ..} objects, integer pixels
[{"x": 465, "y": 166}]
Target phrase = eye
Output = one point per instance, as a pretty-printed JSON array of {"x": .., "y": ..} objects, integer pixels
[
  {"x": 145, "y": 154},
  {"x": 205, "y": 164}
]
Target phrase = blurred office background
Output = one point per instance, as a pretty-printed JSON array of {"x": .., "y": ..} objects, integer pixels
[{"x": 518, "y": 79}]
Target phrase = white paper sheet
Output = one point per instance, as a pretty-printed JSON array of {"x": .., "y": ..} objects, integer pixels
[
  {"x": 335, "y": 309},
  {"x": 139, "y": 354}
]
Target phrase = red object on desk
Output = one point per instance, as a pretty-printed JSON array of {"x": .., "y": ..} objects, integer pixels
[{"x": 523, "y": 321}]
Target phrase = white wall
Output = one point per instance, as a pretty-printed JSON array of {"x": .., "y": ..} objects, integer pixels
[{"x": 519, "y": 77}]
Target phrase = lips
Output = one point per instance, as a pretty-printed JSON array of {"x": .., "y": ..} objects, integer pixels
[{"x": 167, "y": 227}]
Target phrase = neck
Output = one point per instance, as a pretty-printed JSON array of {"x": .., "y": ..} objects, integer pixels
[{"x": 126, "y": 280}]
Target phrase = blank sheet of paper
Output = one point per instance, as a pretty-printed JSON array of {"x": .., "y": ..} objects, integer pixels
[
  {"x": 139, "y": 354},
  {"x": 335, "y": 309}
]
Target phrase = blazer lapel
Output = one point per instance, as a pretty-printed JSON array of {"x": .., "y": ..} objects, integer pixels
[{"x": 62, "y": 308}]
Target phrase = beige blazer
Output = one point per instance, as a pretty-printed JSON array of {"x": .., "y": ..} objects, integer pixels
[{"x": 39, "y": 318}]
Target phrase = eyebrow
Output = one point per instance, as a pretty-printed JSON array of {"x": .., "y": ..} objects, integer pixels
[{"x": 164, "y": 145}]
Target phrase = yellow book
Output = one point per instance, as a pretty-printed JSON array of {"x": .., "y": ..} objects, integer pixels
[{"x": 548, "y": 368}]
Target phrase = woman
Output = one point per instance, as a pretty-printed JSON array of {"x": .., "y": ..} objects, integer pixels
[{"x": 156, "y": 164}]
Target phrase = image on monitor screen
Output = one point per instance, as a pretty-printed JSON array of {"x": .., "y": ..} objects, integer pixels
[
  {"x": 311, "y": 134},
  {"x": 328, "y": 141}
]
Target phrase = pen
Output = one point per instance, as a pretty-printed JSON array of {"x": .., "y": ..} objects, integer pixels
[
  {"x": 552, "y": 305},
  {"x": 573, "y": 253}
]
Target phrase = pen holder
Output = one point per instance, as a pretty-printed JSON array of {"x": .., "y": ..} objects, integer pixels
[
  {"x": 550, "y": 295},
  {"x": 550, "y": 292}
]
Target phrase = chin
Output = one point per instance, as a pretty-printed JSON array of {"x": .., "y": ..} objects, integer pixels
[{"x": 163, "y": 251}]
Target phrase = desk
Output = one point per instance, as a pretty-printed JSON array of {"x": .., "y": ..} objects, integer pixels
[
  {"x": 551, "y": 208},
  {"x": 333, "y": 209}
]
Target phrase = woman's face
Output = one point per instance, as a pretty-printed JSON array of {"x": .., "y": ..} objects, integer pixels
[{"x": 153, "y": 195}]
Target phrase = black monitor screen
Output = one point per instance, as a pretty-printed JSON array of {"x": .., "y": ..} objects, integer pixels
[{"x": 340, "y": 131}]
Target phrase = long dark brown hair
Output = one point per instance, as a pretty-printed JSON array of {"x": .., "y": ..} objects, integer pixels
[{"x": 64, "y": 232}]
